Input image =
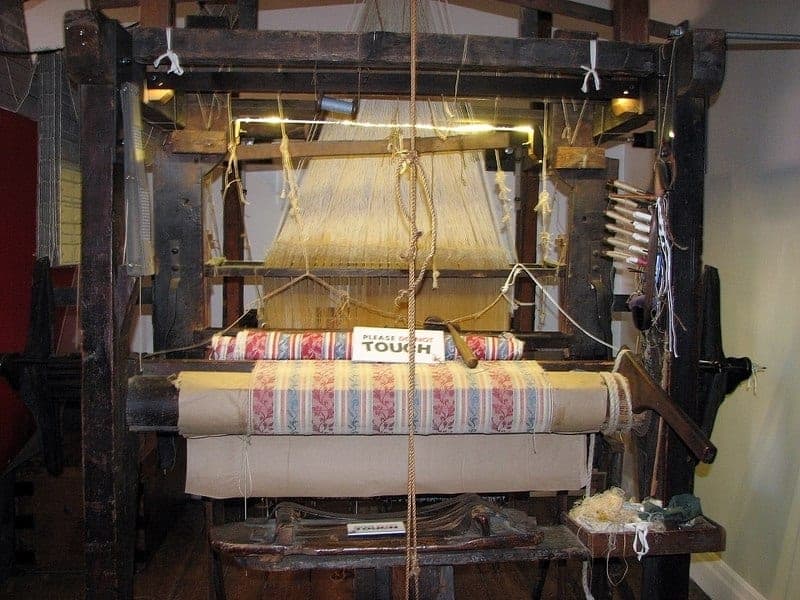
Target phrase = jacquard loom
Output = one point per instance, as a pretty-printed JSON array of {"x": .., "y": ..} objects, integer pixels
[{"x": 290, "y": 415}]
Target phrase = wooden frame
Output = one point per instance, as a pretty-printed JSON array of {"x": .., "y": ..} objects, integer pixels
[{"x": 100, "y": 55}]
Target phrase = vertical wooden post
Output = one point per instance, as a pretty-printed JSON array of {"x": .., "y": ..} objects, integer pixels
[
  {"x": 179, "y": 290},
  {"x": 532, "y": 23},
  {"x": 157, "y": 13},
  {"x": 96, "y": 48},
  {"x": 631, "y": 20},
  {"x": 698, "y": 73},
  {"x": 233, "y": 247},
  {"x": 248, "y": 14},
  {"x": 668, "y": 576},
  {"x": 586, "y": 287}
]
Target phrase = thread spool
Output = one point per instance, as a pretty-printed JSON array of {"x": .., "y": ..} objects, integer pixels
[{"x": 342, "y": 106}]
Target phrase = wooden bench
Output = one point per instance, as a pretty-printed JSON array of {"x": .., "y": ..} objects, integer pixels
[{"x": 462, "y": 530}]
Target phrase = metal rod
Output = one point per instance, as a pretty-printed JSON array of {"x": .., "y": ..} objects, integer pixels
[{"x": 786, "y": 38}]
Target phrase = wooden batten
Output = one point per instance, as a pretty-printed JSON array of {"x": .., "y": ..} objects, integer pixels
[
  {"x": 215, "y": 142},
  {"x": 195, "y": 141},
  {"x": 580, "y": 157},
  {"x": 424, "y": 145}
]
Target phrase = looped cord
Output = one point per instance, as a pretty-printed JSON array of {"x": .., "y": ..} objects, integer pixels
[
  {"x": 174, "y": 61},
  {"x": 591, "y": 69},
  {"x": 640, "y": 544}
]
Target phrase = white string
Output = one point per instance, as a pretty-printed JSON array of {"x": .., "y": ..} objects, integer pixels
[
  {"x": 590, "y": 70},
  {"x": 665, "y": 288},
  {"x": 752, "y": 381},
  {"x": 245, "y": 490},
  {"x": 174, "y": 61},
  {"x": 587, "y": 592},
  {"x": 587, "y": 488},
  {"x": 511, "y": 280},
  {"x": 574, "y": 137}
]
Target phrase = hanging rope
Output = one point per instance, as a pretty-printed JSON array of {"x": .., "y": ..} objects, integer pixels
[{"x": 412, "y": 558}]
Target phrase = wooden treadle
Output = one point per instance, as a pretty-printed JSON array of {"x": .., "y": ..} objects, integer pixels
[{"x": 461, "y": 530}]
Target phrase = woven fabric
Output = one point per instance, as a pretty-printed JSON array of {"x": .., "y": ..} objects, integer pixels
[
  {"x": 342, "y": 397},
  {"x": 258, "y": 344}
]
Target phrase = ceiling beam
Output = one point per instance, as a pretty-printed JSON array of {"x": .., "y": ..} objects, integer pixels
[{"x": 567, "y": 8}]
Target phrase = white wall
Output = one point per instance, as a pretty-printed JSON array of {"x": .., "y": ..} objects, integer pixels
[{"x": 752, "y": 219}]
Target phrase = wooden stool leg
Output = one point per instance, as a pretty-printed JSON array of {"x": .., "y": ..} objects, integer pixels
[
  {"x": 373, "y": 584},
  {"x": 543, "y": 566},
  {"x": 435, "y": 583},
  {"x": 216, "y": 587}
]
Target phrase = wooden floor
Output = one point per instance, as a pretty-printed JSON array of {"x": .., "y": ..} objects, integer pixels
[{"x": 179, "y": 571}]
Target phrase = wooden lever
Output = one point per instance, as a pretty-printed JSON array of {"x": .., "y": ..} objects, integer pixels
[
  {"x": 466, "y": 353},
  {"x": 646, "y": 394}
]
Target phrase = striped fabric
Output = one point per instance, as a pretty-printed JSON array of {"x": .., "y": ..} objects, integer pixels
[
  {"x": 258, "y": 344},
  {"x": 342, "y": 397}
]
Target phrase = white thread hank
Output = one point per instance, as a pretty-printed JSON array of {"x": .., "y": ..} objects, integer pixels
[
  {"x": 612, "y": 422},
  {"x": 591, "y": 69},
  {"x": 174, "y": 61},
  {"x": 620, "y": 411},
  {"x": 640, "y": 544}
]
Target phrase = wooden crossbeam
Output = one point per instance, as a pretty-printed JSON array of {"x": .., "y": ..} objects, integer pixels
[
  {"x": 396, "y": 83},
  {"x": 212, "y": 142},
  {"x": 314, "y": 49},
  {"x": 424, "y": 145}
]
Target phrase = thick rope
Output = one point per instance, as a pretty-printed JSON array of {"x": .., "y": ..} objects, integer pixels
[{"x": 412, "y": 558}]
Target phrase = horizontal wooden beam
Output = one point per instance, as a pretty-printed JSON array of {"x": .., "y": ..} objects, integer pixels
[
  {"x": 580, "y": 157},
  {"x": 257, "y": 269},
  {"x": 291, "y": 50},
  {"x": 197, "y": 141},
  {"x": 395, "y": 83},
  {"x": 215, "y": 142},
  {"x": 424, "y": 145}
]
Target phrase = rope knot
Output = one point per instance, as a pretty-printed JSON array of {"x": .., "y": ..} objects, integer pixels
[
  {"x": 174, "y": 61},
  {"x": 591, "y": 70},
  {"x": 545, "y": 204}
]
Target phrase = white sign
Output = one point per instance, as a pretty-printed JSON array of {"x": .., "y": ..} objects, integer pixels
[{"x": 383, "y": 344}]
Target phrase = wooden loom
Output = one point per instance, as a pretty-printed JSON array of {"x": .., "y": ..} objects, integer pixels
[{"x": 101, "y": 55}]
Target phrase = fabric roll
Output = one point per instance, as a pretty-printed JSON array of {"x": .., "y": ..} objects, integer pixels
[
  {"x": 259, "y": 344},
  {"x": 355, "y": 466},
  {"x": 346, "y": 398}
]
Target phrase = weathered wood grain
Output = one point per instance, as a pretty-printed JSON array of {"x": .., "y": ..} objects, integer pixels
[{"x": 314, "y": 49}]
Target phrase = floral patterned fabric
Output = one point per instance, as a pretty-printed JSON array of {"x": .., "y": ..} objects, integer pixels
[
  {"x": 342, "y": 397},
  {"x": 258, "y": 344}
]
